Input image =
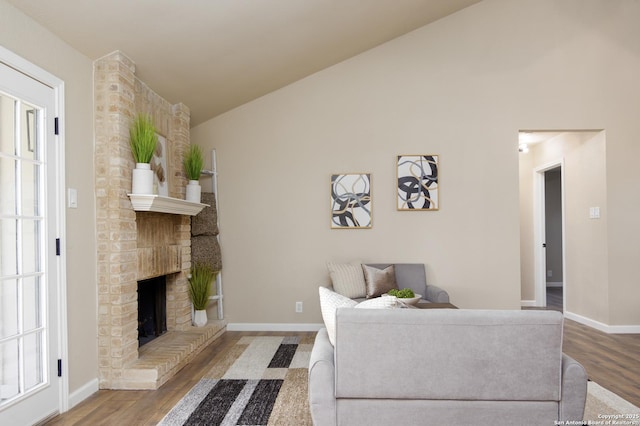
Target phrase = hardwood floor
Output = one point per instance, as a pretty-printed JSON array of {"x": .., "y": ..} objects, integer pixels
[
  {"x": 555, "y": 300},
  {"x": 137, "y": 408},
  {"x": 612, "y": 361}
]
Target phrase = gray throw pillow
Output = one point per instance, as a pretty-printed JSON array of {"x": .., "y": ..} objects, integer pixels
[{"x": 379, "y": 281}]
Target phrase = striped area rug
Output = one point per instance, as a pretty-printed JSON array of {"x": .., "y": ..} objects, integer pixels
[{"x": 259, "y": 383}]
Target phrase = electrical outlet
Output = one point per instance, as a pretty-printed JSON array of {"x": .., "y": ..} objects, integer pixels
[
  {"x": 298, "y": 307},
  {"x": 549, "y": 273}
]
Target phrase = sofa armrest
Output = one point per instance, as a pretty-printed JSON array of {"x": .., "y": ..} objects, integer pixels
[
  {"x": 322, "y": 401},
  {"x": 574, "y": 390},
  {"x": 436, "y": 295}
]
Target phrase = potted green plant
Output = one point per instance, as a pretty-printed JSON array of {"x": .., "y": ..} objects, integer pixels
[
  {"x": 143, "y": 140},
  {"x": 406, "y": 295},
  {"x": 202, "y": 276},
  {"x": 193, "y": 166}
]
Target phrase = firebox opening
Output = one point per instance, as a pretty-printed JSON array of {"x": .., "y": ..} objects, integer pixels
[{"x": 152, "y": 309}]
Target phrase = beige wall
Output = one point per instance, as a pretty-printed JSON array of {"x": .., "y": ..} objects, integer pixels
[
  {"x": 28, "y": 39},
  {"x": 461, "y": 88},
  {"x": 586, "y": 277},
  {"x": 527, "y": 270}
]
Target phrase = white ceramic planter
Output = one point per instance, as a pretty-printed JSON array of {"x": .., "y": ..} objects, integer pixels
[
  {"x": 194, "y": 191},
  {"x": 200, "y": 318},
  {"x": 142, "y": 179}
]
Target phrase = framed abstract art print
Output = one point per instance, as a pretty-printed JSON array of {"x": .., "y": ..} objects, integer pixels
[
  {"x": 351, "y": 201},
  {"x": 417, "y": 184}
]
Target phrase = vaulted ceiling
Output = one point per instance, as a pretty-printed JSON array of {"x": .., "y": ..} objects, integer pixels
[{"x": 214, "y": 55}]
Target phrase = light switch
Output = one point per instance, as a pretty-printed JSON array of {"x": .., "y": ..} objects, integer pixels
[
  {"x": 72, "y": 195},
  {"x": 594, "y": 212}
]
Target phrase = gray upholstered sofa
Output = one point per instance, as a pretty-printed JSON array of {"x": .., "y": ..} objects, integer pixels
[
  {"x": 413, "y": 276},
  {"x": 444, "y": 367}
]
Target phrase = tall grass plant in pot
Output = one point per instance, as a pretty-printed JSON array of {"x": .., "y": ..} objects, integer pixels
[
  {"x": 193, "y": 166},
  {"x": 202, "y": 276},
  {"x": 143, "y": 141}
]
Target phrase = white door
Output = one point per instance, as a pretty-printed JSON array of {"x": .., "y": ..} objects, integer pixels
[
  {"x": 539, "y": 229},
  {"x": 29, "y": 383}
]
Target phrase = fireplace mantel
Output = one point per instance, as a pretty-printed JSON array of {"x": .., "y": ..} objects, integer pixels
[{"x": 157, "y": 203}]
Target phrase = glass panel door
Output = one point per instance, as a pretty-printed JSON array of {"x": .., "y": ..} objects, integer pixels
[{"x": 28, "y": 330}]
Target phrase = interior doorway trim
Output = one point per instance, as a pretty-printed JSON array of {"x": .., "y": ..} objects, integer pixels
[{"x": 539, "y": 227}]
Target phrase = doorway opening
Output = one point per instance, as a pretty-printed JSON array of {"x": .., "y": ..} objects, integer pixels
[
  {"x": 569, "y": 165},
  {"x": 543, "y": 219}
]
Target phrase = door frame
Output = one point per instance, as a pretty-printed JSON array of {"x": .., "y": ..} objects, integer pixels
[
  {"x": 33, "y": 71},
  {"x": 539, "y": 228}
]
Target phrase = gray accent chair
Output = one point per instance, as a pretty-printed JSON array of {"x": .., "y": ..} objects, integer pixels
[
  {"x": 444, "y": 367},
  {"x": 413, "y": 276}
]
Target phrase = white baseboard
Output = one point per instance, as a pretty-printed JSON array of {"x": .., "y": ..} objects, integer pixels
[
  {"x": 555, "y": 284},
  {"x": 246, "y": 326},
  {"x": 528, "y": 303},
  {"x": 609, "y": 329},
  {"x": 84, "y": 392}
]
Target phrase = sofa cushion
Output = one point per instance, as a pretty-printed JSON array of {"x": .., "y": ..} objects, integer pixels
[
  {"x": 347, "y": 279},
  {"x": 379, "y": 281},
  {"x": 329, "y": 302}
]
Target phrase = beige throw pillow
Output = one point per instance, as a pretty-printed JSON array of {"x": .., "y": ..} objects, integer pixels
[
  {"x": 347, "y": 279},
  {"x": 330, "y": 301},
  {"x": 379, "y": 281}
]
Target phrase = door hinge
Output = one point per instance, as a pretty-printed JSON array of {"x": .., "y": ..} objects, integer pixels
[
  {"x": 57, "y": 246},
  {"x": 59, "y": 368},
  {"x": 55, "y": 126}
]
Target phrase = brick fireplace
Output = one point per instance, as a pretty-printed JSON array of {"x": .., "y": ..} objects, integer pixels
[{"x": 134, "y": 246}]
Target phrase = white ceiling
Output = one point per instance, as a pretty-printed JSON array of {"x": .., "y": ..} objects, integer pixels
[{"x": 214, "y": 55}]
